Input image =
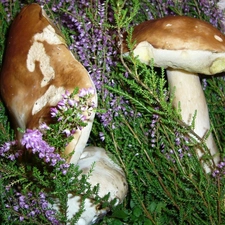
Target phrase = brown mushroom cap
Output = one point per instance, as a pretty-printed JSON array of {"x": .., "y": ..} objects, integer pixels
[
  {"x": 37, "y": 69},
  {"x": 179, "y": 33},
  {"x": 180, "y": 42}
]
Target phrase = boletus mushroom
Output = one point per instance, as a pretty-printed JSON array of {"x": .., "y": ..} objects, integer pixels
[
  {"x": 186, "y": 47},
  {"x": 37, "y": 69}
]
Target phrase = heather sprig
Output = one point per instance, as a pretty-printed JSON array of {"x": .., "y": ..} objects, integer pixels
[
  {"x": 9, "y": 150},
  {"x": 6, "y": 133},
  {"x": 161, "y": 154},
  {"x": 163, "y": 158},
  {"x": 220, "y": 170},
  {"x": 28, "y": 207},
  {"x": 8, "y": 10},
  {"x": 74, "y": 113},
  {"x": 32, "y": 140},
  {"x": 71, "y": 114}
]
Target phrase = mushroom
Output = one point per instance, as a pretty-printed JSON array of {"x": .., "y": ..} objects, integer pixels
[
  {"x": 105, "y": 172},
  {"x": 184, "y": 46},
  {"x": 37, "y": 69}
]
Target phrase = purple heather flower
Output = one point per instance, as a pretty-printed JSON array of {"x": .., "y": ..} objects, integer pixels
[
  {"x": 60, "y": 118},
  {"x": 100, "y": 52},
  {"x": 7, "y": 147},
  {"x": 32, "y": 206},
  {"x": 215, "y": 173},
  {"x": 44, "y": 205},
  {"x": 67, "y": 132},
  {"x": 84, "y": 92},
  {"x": 16, "y": 207},
  {"x": 72, "y": 102},
  {"x": 32, "y": 139},
  {"x": 64, "y": 168},
  {"x": 44, "y": 126},
  {"x": 204, "y": 84},
  {"x": 66, "y": 94},
  {"x": 12, "y": 157},
  {"x": 102, "y": 136},
  {"x": 62, "y": 105},
  {"x": 82, "y": 117},
  {"x": 42, "y": 195},
  {"x": 31, "y": 214},
  {"x": 54, "y": 112},
  {"x": 220, "y": 169}
]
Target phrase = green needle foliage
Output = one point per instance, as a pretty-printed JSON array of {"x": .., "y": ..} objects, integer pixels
[{"x": 166, "y": 186}]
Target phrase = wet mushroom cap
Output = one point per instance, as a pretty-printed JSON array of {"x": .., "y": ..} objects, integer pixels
[
  {"x": 180, "y": 38},
  {"x": 178, "y": 33},
  {"x": 37, "y": 69}
]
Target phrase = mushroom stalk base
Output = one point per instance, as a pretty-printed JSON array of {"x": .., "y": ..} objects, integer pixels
[{"x": 190, "y": 96}]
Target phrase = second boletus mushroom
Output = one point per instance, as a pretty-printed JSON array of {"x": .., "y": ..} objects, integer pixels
[{"x": 186, "y": 47}]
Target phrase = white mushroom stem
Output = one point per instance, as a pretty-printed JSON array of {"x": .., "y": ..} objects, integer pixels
[{"x": 189, "y": 94}]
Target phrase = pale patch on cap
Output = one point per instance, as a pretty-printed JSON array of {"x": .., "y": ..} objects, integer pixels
[
  {"x": 37, "y": 53},
  {"x": 50, "y": 36},
  {"x": 52, "y": 96},
  {"x": 218, "y": 38}
]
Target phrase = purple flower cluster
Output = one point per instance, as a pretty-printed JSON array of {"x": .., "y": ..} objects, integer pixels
[
  {"x": 33, "y": 206},
  {"x": 153, "y": 129},
  {"x": 116, "y": 105},
  {"x": 181, "y": 142},
  {"x": 67, "y": 111},
  {"x": 74, "y": 114},
  {"x": 10, "y": 150},
  {"x": 32, "y": 139},
  {"x": 204, "y": 9},
  {"x": 211, "y": 10},
  {"x": 8, "y": 9},
  {"x": 162, "y": 8},
  {"x": 220, "y": 169}
]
